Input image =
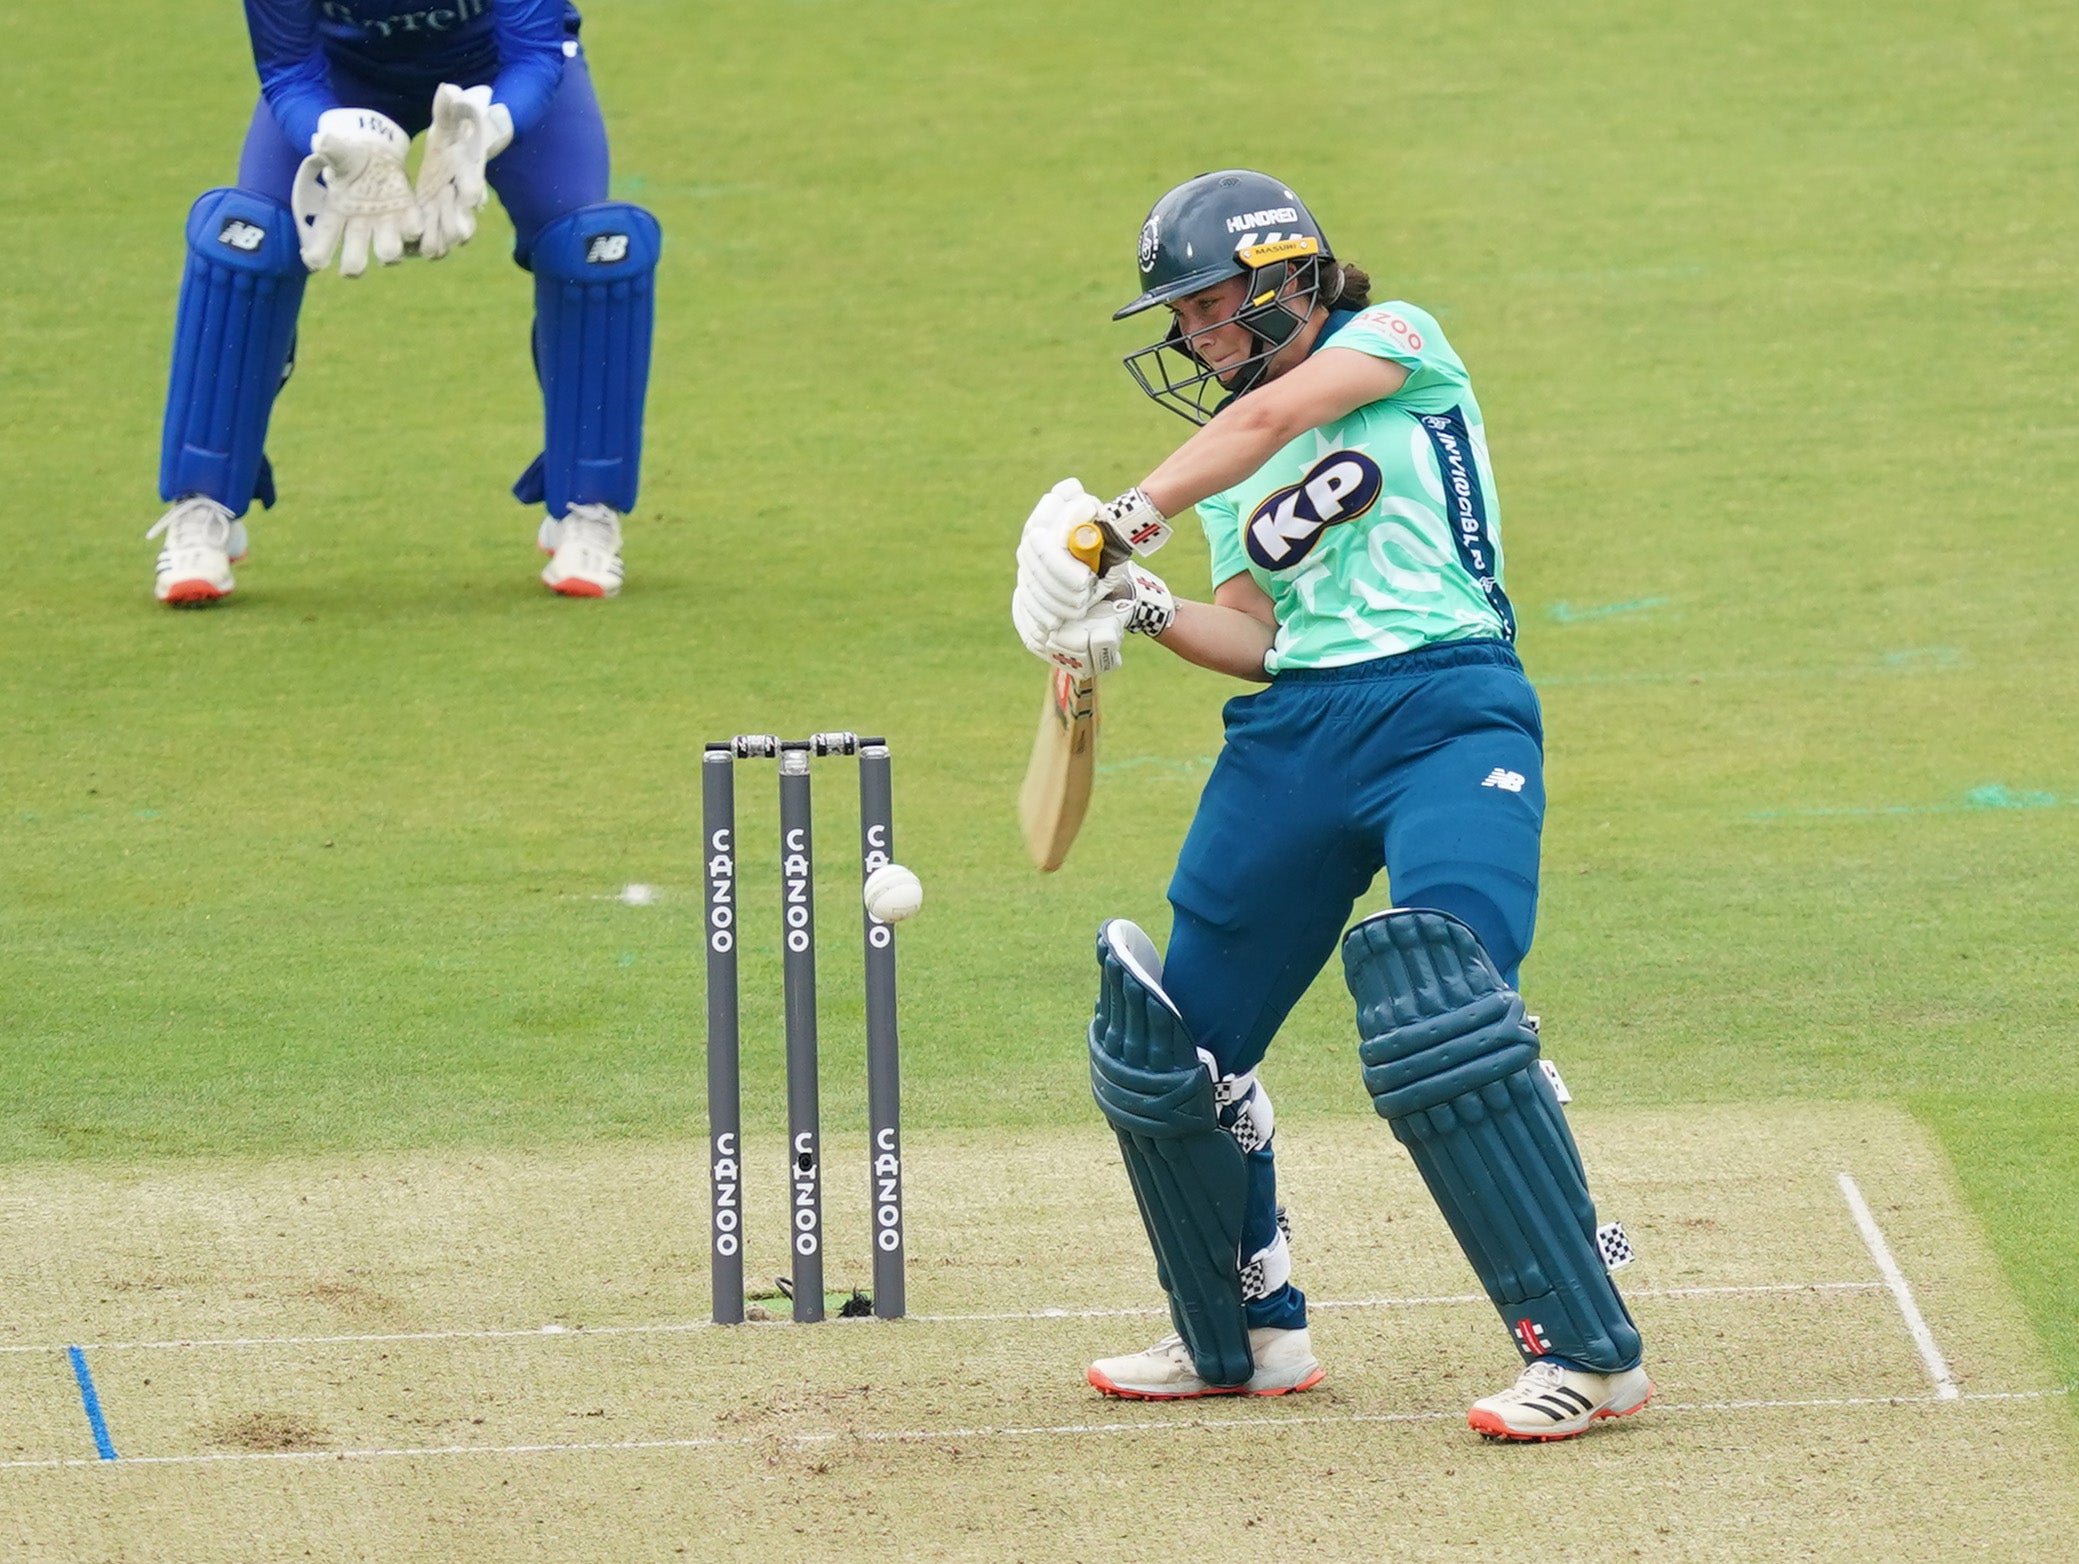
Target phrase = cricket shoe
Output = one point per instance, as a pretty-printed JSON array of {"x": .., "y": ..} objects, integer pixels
[
  {"x": 1284, "y": 1363},
  {"x": 1551, "y": 1401},
  {"x": 584, "y": 549},
  {"x": 203, "y": 542}
]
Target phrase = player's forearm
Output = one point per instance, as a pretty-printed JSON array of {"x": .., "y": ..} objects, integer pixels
[
  {"x": 1243, "y": 435},
  {"x": 1241, "y": 439},
  {"x": 1226, "y": 640}
]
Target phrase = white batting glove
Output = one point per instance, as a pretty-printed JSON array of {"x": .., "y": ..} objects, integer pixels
[
  {"x": 1136, "y": 602},
  {"x": 1034, "y": 621},
  {"x": 468, "y": 130},
  {"x": 1086, "y": 647},
  {"x": 351, "y": 193},
  {"x": 1133, "y": 519},
  {"x": 1055, "y": 585},
  {"x": 1141, "y": 599}
]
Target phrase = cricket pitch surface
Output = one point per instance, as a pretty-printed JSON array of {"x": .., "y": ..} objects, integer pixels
[{"x": 499, "y": 1357}]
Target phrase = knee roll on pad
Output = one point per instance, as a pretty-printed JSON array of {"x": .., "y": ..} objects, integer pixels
[
  {"x": 232, "y": 336},
  {"x": 1188, "y": 1173},
  {"x": 594, "y": 304},
  {"x": 1451, "y": 1065}
]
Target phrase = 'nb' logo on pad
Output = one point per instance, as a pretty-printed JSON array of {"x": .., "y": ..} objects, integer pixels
[
  {"x": 241, "y": 235},
  {"x": 605, "y": 249}
]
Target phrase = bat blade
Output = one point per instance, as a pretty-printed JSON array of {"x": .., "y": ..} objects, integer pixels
[{"x": 1056, "y": 791}]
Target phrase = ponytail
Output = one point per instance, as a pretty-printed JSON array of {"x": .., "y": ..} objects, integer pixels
[{"x": 1345, "y": 287}]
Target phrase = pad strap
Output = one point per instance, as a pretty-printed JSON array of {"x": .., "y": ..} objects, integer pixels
[
  {"x": 1188, "y": 1174},
  {"x": 1450, "y": 1064}
]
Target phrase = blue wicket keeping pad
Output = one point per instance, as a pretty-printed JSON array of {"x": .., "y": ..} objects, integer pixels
[
  {"x": 1188, "y": 1174},
  {"x": 232, "y": 337},
  {"x": 1451, "y": 1065},
  {"x": 594, "y": 306}
]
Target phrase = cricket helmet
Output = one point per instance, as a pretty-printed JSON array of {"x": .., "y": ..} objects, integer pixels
[{"x": 1234, "y": 222}]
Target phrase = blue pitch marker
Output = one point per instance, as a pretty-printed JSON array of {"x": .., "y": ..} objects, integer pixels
[{"x": 103, "y": 1445}]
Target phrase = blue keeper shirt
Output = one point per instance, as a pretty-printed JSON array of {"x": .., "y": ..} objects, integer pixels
[{"x": 516, "y": 46}]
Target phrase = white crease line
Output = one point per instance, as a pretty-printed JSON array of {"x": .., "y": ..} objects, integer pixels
[
  {"x": 1895, "y": 1279},
  {"x": 1629, "y": 1292},
  {"x": 537, "y": 1332},
  {"x": 682, "y": 1326},
  {"x": 1156, "y": 1424},
  {"x": 1409, "y": 1303}
]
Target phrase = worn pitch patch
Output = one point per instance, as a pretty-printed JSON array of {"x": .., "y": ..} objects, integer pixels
[{"x": 403, "y": 1354}]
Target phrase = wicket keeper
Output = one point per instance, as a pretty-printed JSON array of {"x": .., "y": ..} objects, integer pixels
[
  {"x": 1340, "y": 471},
  {"x": 501, "y": 89}
]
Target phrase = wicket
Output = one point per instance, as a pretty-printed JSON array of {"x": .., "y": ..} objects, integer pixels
[{"x": 798, "y": 959}]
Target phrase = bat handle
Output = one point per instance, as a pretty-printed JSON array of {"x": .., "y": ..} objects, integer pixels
[{"x": 1086, "y": 542}]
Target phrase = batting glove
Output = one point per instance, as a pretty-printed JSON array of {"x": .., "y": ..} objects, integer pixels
[
  {"x": 1055, "y": 585},
  {"x": 1086, "y": 647},
  {"x": 1133, "y": 519},
  {"x": 1141, "y": 599},
  {"x": 1136, "y": 603}
]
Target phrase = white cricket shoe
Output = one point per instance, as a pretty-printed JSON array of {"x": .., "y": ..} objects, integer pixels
[
  {"x": 1284, "y": 1363},
  {"x": 1549, "y": 1401},
  {"x": 584, "y": 550},
  {"x": 203, "y": 542}
]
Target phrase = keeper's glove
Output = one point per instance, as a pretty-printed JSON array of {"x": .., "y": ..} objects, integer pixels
[
  {"x": 468, "y": 130},
  {"x": 351, "y": 193}
]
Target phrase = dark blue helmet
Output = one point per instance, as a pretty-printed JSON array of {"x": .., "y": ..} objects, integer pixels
[{"x": 1231, "y": 223}]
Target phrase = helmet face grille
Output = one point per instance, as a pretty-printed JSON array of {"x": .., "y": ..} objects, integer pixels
[{"x": 1174, "y": 376}]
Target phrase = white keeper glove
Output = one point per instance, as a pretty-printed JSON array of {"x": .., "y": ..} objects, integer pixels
[
  {"x": 468, "y": 130},
  {"x": 1054, "y": 587},
  {"x": 1136, "y": 602},
  {"x": 351, "y": 193}
]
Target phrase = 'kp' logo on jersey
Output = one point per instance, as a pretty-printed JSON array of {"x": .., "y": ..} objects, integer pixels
[{"x": 1285, "y": 528}]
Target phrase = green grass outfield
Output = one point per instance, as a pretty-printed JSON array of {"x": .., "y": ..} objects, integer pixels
[{"x": 1771, "y": 309}]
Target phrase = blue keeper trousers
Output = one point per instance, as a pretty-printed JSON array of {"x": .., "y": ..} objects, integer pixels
[{"x": 557, "y": 167}]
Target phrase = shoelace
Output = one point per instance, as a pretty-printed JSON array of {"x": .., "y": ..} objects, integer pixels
[
  {"x": 592, "y": 526},
  {"x": 194, "y": 523},
  {"x": 1538, "y": 1378}
]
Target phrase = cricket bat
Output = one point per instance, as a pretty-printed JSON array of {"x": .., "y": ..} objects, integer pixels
[{"x": 1058, "y": 777}]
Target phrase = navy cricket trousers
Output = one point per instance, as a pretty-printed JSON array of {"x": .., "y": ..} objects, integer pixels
[{"x": 1428, "y": 764}]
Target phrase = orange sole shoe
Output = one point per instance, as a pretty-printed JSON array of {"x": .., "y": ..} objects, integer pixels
[
  {"x": 1490, "y": 1425},
  {"x": 191, "y": 594},
  {"x": 1124, "y": 1394}
]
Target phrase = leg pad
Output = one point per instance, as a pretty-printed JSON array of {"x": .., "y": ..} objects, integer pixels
[
  {"x": 1189, "y": 1176},
  {"x": 1451, "y": 1065},
  {"x": 232, "y": 338},
  {"x": 594, "y": 304}
]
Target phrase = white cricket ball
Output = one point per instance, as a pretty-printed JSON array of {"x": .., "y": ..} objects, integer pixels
[{"x": 892, "y": 893}]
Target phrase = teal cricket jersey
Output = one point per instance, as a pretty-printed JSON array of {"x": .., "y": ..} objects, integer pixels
[{"x": 1381, "y": 532}]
